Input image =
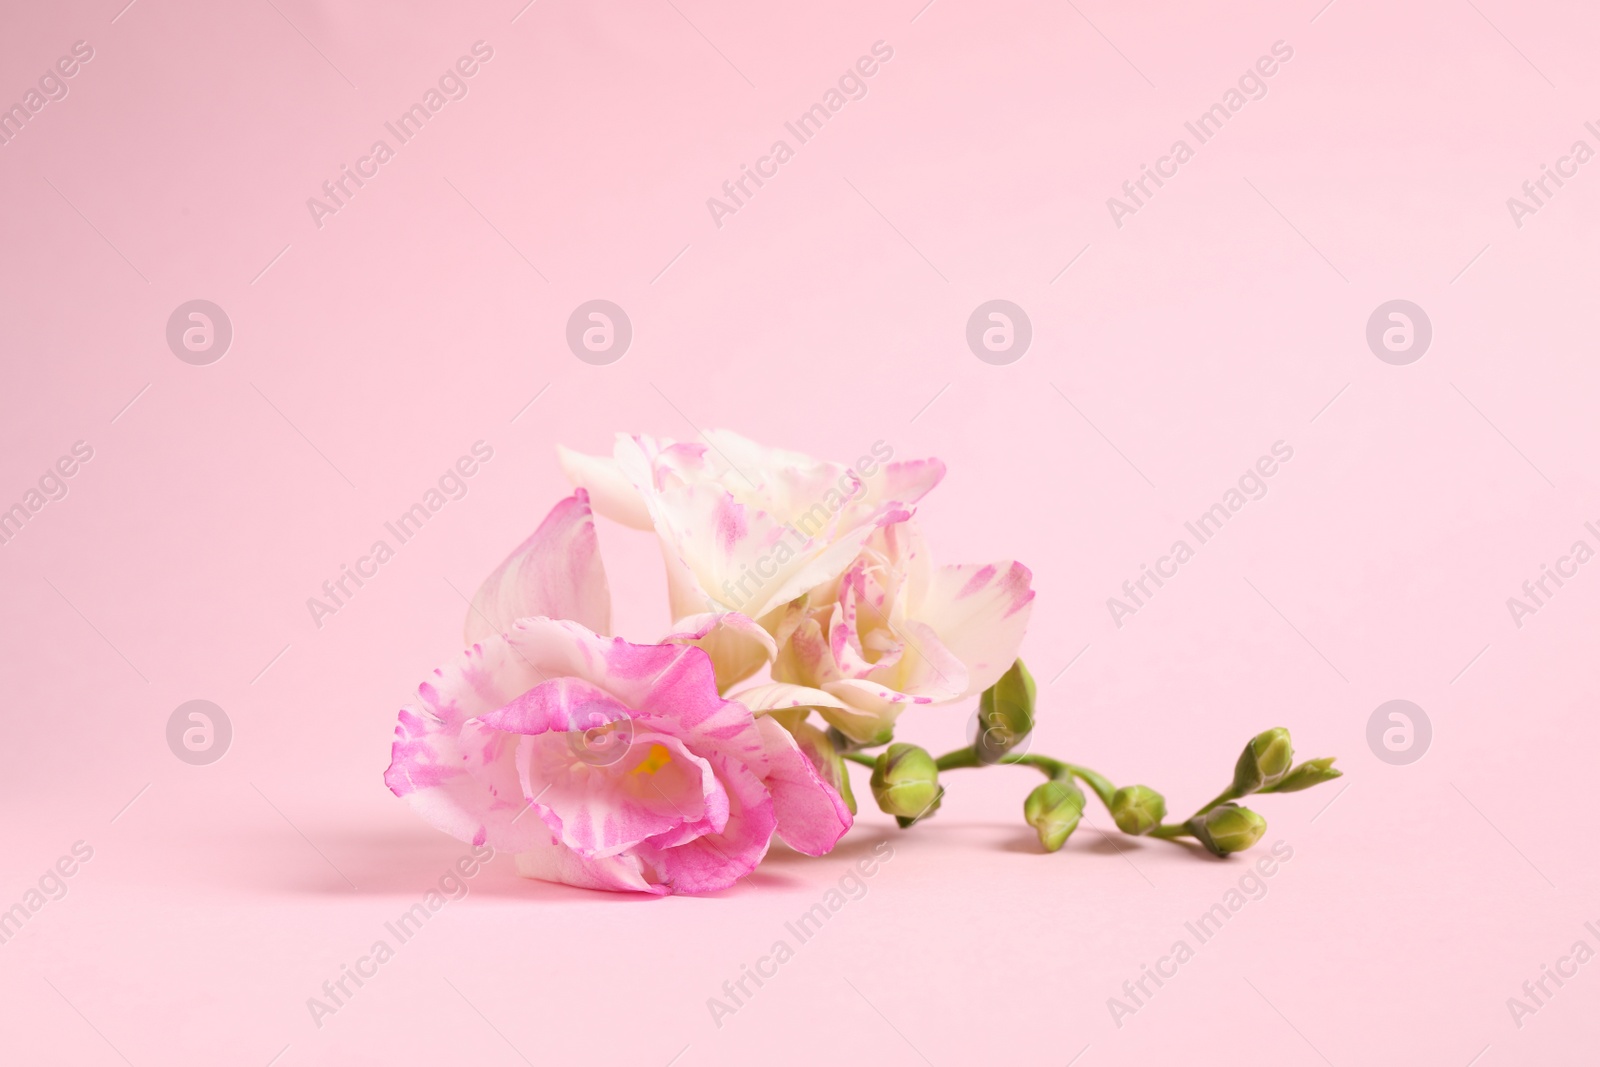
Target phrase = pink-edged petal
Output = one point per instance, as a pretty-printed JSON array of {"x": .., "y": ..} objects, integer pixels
[
  {"x": 929, "y": 669},
  {"x": 458, "y": 772},
  {"x": 781, "y": 696},
  {"x": 656, "y": 788},
  {"x": 909, "y": 481},
  {"x": 561, "y": 704},
  {"x": 460, "y": 778},
  {"x": 747, "y": 545},
  {"x": 811, "y": 814},
  {"x": 737, "y": 645},
  {"x": 980, "y": 614},
  {"x": 614, "y": 496},
  {"x": 679, "y": 696},
  {"x": 550, "y": 861},
  {"x": 863, "y": 605},
  {"x": 556, "y": 573},
  {"x": 870, "y": 709},
  {"x": 716, "y": 861}
]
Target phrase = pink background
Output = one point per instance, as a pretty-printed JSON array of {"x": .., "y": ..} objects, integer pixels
[{"x": 828, "y": 313}]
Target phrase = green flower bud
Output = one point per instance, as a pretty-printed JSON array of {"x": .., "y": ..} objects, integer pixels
[
  {"x": 905, "y": 782},
  {"x": 1005, "y": 713},
  {"x": 1138, "y": 809},
  {"x": 1264, "y": 762},
  {"x": 1054, "y": 809},
  {"x": 1311, "y": 772},
  {"x": 1227, "y": 828}
]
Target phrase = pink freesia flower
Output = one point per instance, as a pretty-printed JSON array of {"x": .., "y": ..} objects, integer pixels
[
  {"x": 895, "y": 630},
  {"x": 598, "y": 762}
]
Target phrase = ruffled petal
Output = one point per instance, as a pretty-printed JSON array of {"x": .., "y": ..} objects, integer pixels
[
  {"x": 460, "y": 774},
  {"x": 657, "y": 787},
  {"x": 716, "y": 861}
]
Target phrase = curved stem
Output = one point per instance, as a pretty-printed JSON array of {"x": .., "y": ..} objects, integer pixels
[
  {"x": 860, "y": 757},
  {"x": 1098, "y": 782},
  {"x": 1046, "y": 765},
  {"x": 1056, "y": 770},
  {"x": 961, "y": 757},
  {"x": 1221, "y": 798}
]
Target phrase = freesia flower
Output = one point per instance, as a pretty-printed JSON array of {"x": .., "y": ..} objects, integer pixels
[
  {"x": 894, "y": 630},
  {"x": 598, "y": 762},
  {"x": 743, "y": 527},
  {"x": 611, "y": 765}
]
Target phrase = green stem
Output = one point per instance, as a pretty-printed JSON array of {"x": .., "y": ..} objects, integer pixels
[
  {"x": 1098, "y": 782},
  {"x": 861, "y": 757},
  {"x": 1168, "y": 831},
  {"x": 1221, "y": 798},
  {"x": 961, "y": 757},
  {"x": 1057, "y": 770},
  {"x": 1049, "y": 767}
]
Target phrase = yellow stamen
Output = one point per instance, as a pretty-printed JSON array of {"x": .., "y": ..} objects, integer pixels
[{"x": 657, "y": 758}]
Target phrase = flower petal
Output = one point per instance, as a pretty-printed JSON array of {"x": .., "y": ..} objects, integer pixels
[
  {"x": 561, "y": 704},
  {"x": 871, "y": 709},
  {"x": 548, "y": 860},
  {"x": 614, "y": 496},
  {"x": 811, "y": 814},
  {"x": 780, "y": 696},
  {"x": 598, "y": 810},
  {"x": 716, "y": 861},
  {"x": 749, "y": 539},
  {"x": 460, "y": 773},
  {"x": 980, "y": 614},
  {"x": 556, "y": 573},
  {"x": 737, "y": 645}
]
